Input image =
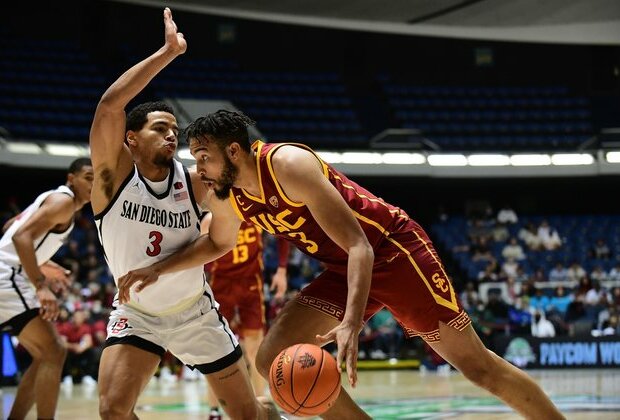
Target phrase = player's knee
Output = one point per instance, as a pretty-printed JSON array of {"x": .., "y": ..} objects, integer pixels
[
  {"x": 263, "y": 360},
  {"x": 112, "y": 406},
  {"x": 52, "y": 351},
  {"x": 482, "y": 372}
]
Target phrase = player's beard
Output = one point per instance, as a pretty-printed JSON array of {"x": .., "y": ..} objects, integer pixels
[
  {"x": 162, "y": 160},
  {"x": 226, "y": 180}
]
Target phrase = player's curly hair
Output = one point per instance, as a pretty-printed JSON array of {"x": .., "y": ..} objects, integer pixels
[{"x": 223, "y": 127}]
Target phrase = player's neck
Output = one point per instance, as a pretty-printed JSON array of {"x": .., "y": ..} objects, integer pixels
[
  {"x": 155, "y": 173},
  {"x": 248, "y": 175}
]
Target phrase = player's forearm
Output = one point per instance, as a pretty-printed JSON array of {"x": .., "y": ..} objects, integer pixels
[
  {"x": 361, "y": 259},
  {"x": 25, "y": 251},
  {"x": 199, "y": 252},
  {"x": 134, "y": 80}
]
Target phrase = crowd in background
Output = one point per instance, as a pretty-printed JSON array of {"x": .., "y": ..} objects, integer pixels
[{"x": 524, "y": 305}]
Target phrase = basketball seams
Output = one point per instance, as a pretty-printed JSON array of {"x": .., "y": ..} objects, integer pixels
[
  {"x": 316, "y": 378},
  {"x": 281, "y": 399},
  {"x": 292, "y": 377}
]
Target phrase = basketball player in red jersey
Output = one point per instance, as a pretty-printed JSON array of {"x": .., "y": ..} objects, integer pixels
[
  {"x": 375, "y": 256},
  {"x": 236, "y": 280}
]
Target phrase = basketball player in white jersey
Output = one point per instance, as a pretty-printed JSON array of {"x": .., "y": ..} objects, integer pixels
[
  {"x": 27, "y": 300},
  {"x": 145, "y": 209}
]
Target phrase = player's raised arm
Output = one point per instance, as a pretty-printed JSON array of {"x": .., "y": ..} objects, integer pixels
[
  {"x": 111, "y": 158},
  {"x": 301, "y": 178}
]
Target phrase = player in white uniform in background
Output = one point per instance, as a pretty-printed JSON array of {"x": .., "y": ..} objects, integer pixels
[
  {"x": 145, "y": 209},
  {"x": 28, "y": 281}
]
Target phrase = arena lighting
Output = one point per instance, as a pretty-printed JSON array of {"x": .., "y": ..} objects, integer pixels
[
  {"x": 361, "y": 157},
  {"x": 613, "y": 157},
  {"x": 330, "y": 157},
  {"x": 23, "y": 147},
  {"x": 447, "y": 160},
  {"x": 572, "y": 159},
  {"x": 530, "y": 160},
  {"x": 66, "y": 150},
  {"x": 185, "y": 154},
  {"x": 488, "y": 160},
  {"x": 403, "y": 158}
]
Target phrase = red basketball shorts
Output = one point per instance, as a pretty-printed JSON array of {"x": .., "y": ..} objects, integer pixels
[
  {"x": 242, "y": 297},
  {"x": 408, "y": 279}
]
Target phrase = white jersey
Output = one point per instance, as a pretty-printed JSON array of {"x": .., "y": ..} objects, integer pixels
[
  {"x": 140, "y": 227},
  {"x": 45, "y": 245}
]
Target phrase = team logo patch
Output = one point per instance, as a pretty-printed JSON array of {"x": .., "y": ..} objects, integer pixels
[
  {"x": 273, "y": 200},
  {"x": 178, "y": 185},
  {"x": 307, "y": 360},
  {"x": 120, "y": 325}
]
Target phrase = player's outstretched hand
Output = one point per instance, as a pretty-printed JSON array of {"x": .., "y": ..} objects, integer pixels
[
  {"x": 345, "y": 335},
  {"x": 142, "y": 277},
  {"x": 279, "y": 283},
  {"x": 175, "y": 41}
]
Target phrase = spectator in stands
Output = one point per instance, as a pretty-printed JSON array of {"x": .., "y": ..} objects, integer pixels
[
  {"x": 480, "y": 250},
  {"x": 469, "y": 296},
  {"x": 478, "y": 229},
  {"x": 614, "y": 273},
  {"x": 513, "y": 250},
  {"x": 598, "y": 274},
  {"x": 600, "y": 250},
  {"x": 521, "y": 275},
  {"x": 506, "y": 215},
  {"x": 542, "y": 327},
  {"x": 79, "y": 342},
  {"x": 575, "y": 272},
  {"x": 528, "y": 234},
  {"x": 549, "y": 236},
  {"x": 576, "y": 309},
  {"x": 388, "y": 337},
  {"x": 490, "y": 273},
  {"x": 539, "y": 276},
  {"x": 500, "y": 233},
  {"x": 558, "y": 273},
  {"x": 540, "y": 301},
  {"x": 509, "y": 267},
  {"x": 560, "y": 301}
]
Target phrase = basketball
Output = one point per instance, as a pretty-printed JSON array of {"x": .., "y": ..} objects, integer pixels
[{"x": 304, "y": 380}]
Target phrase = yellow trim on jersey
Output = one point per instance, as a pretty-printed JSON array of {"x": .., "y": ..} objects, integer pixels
[
  {"x": 231, "y": 197},
  {"x": 273, "y": 175},
  {"x": 374, "y": 200},
  {"x": 259, "y": 145},
  {"x": 259, "y": 284},
  {"x": 451, "y": 304}
]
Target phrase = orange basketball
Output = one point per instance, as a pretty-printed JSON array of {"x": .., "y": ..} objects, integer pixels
[{"x": 304, "y": 380}]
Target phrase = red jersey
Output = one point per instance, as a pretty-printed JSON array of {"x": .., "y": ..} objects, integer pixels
[
  {"x": 277, "y": 214},
  {"x": 246, "y": 258}
]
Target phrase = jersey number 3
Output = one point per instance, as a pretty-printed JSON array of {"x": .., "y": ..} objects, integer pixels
[{"x": 154, "y": 249}]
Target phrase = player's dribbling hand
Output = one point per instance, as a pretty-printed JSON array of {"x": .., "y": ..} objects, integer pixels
[
  {"x": 142, "y": 277},
  {"x": 345, "y": 335},
  {"x": 175, "y": 40}
]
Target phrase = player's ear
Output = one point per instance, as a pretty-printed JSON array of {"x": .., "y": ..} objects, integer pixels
[
  {"x": 233, "y": 150},
  {"x": 130, "y": 138}
]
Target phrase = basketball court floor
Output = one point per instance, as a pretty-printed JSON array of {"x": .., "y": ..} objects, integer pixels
[{"x": 398, "y": 394}]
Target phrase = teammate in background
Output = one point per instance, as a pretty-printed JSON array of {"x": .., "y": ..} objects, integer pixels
[
  {"x": 145, "y": 205},
  {"x": 28, "y": 282},
  {"x": 375, "y": 256},
  {"x": 237, "y": 282}
]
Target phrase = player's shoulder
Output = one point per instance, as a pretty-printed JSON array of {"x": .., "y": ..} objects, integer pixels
[{"x": 292, "y": 157}]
